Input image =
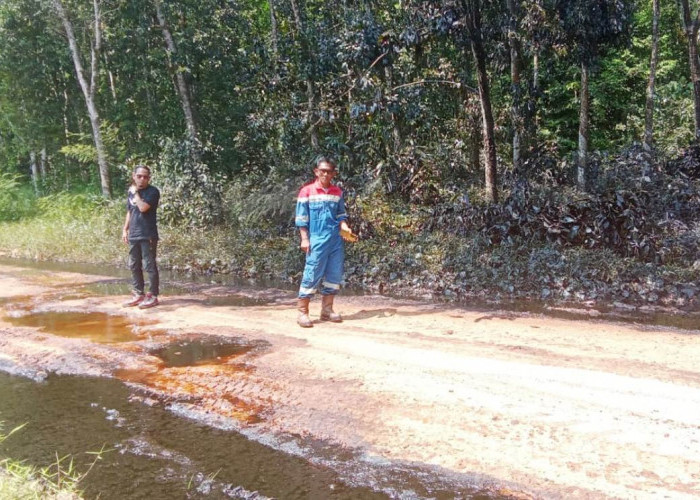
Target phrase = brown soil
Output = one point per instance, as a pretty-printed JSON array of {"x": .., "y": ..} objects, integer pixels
[{"x": 552, "y": 408}]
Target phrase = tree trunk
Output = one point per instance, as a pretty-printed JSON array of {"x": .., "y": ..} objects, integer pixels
[
  {"x": 89, "y": 89},
  {"x": 310, "y": 84},
  {"x": 649, "y": 112},
  {"x": 690, "y": 26},
  {"x": 43, "y": 163},
  {"x": 297, "y": 17},
  {"x": 273, "y": 33},
  {"x": 112, "y": 80},
  {"x": 582, "y": 160},
  {"x": 66, "y": 127},
  {"x": 490, "y": 166},
  {"x": 476, "y": 142},
  {"x": 535, "y": 90},
  {"x": 389, "y": 84},
  {"x": 517, "y": 118},
  {"x": 34, "y": 168},
  {"x": 181, "y": 86}
]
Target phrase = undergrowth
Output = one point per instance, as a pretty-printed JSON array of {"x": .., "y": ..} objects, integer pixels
[{"x": 631, "y": 240}]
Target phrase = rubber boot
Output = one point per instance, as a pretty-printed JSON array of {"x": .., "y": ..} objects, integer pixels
[
  {"x": 327, "y": 313},
  {"x": 303, "y": 319}
]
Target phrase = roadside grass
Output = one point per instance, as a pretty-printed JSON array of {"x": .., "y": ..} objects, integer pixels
[
  {"x": 396, "y": 255},
  {"x": 58, "y": 481}
]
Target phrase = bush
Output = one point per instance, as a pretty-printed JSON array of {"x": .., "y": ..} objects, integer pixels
[
  {"x": 190, "y": 193},
  {"x": 16, "y": 200}
]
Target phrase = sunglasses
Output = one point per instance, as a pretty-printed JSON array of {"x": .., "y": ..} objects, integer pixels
[{"x": 139, "y": 176}]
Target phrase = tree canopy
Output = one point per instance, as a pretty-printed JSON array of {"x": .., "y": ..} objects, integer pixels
[{"x": 409, "y": 96}]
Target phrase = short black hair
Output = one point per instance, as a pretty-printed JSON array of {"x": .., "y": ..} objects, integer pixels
[
  {"x": 138, "y": 167},
  {"x": 325, "y": 159}
]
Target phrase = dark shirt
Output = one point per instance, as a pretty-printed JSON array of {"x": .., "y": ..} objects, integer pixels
[{"x": 142, "y": 225}]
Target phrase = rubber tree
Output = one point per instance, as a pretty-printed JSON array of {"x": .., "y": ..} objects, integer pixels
[
  {"x": 307, "y": 55},
  {"x": 88, "y": 83},
  {"x": 651, "y": 85},
  {"x": 690, "y": 20},
  {"x": 182, "y": 87},
  {"x": 462, "y": 20},
  {"x": 34, "y": 74},
  {"x": 516, "y": 63},
  {"x": 588, "y": 26},
  {"x": 472, "y": 16}
]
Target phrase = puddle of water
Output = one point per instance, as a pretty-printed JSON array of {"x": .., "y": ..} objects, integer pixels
[
  {"x": 155, "y": 454},
  {"x": 123, "y": 287},
  {"x": 236, "y": 301},
  {"x": 201, "y": 351},
  {"x": 94, "y": 326}
]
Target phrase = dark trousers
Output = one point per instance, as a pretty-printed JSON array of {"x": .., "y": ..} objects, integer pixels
[{"x": 142, "y": 255}]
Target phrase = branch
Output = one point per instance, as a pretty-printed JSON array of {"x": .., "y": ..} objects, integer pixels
[
  {"x": 446, "y": 82},
  {"x": 368, "y": 70}
]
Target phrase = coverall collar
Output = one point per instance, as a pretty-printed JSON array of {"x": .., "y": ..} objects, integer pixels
[{"x": 318, "y": 185}]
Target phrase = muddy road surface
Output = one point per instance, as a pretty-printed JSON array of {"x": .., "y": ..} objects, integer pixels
[{"x": 523, "y": 405}]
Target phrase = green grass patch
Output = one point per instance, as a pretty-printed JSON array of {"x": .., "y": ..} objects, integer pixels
[{"x": 58, "y": 481}]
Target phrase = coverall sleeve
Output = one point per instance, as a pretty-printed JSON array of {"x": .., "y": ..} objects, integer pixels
[
  {"x": 302, "y": 212},
  {"x": 342, "y": 214}
]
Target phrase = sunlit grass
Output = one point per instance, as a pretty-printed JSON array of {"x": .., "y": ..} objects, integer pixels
[{"x": 58, "y": 481}]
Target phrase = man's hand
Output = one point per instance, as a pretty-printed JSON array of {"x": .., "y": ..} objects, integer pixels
[
  {"x": 125, "y": 235},
  {"x": 305, "y": 244},
  {"x": 346, "y": 233}
]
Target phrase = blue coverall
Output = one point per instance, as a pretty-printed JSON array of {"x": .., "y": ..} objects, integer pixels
[{"x": 321, "y": 211}]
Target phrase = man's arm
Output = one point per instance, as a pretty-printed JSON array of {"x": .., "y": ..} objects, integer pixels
[
  {"x": 302, "y": 220},
  {"x": 305, "y": 245},
  {"x": 125, "y": 231},
  {"x": 142, "y": 205}
]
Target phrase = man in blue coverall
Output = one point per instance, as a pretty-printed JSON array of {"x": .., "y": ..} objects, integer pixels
[{"x": 320, "y": 217}]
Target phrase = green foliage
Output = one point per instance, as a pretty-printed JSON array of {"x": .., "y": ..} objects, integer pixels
[
  {"x": 67, "y": 206},
  {"x": 65, "y": 226},
  {"x": 381, "y": 89},
  {"x": 84, "y": 153},
  {"x": 190, "y": 193},
  {"x": 16, "y": 199},
  {"x": 260, "y": 206}
]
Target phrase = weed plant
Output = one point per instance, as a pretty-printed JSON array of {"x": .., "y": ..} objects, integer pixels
[
  {"x": 454, "y": 249},
  {"x": 16, "y": 200},
  {"x": 58, "y": 481},
  {"x": 67, "y": 227}
]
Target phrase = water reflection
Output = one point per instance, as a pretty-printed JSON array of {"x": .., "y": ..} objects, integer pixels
[
  {"x": 155, "y": 455},
  {"x": 94, "y": 326},
  {"x": 202, "y": 351}
]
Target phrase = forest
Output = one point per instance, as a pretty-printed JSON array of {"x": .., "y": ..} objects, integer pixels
[{"x": 488, "y": 149}]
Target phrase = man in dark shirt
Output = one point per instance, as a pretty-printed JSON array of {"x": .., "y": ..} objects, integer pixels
[{"x": 141, "y": 234}]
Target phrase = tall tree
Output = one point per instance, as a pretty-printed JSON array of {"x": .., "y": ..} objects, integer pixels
[
  {"x": 308, "y": 57},
  {"x": 89, "y": 88},
  {"x": 691, "y": 25},
  {"x": 181, "y": 85},
  {"x": 590, "y": 26},
  {"x": 517, "y": 115},
  {"x": 651, "y": 86},
  {"x": 472, "y": 16}
]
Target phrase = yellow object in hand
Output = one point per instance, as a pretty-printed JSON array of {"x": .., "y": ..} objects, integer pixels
[{"x": 348, "y": 235}]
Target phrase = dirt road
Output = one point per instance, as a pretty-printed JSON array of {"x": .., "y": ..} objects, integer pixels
[{"x": 550, "y": 408}]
